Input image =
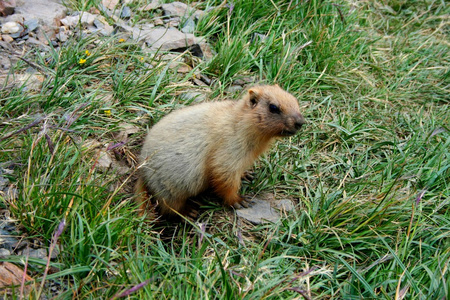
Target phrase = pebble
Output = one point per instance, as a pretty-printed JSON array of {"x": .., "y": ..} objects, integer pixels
[
  {"x": 126, "y": 12},
  {"x": 188, "y": 26},
  {"x": 11, "y": 27},
  {"x": 31, "y": 24}
]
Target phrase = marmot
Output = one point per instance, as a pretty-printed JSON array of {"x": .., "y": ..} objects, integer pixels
[{"x": 210, "y": 145}]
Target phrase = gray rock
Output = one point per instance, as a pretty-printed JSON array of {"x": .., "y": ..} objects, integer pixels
[
  {"x": 188, "y": 26},
  {"x": 101, "y": 23},
  {"x": 31, "y": 24},
  {"x": 18, "y": 18},
  {"x": 34, "y": 253},
  {"x": 284, "y": 205},
  {"x": 268, "y": 209},
  {"x": 168, "y": 39},
  {"x": 62, "y": 36},
  {"x": 260, "y": 212},
  {"x": 4, "y": 253},
  {"x": 126, "y": 12},
  {"x": 234, "y": 88},
  {"x": 46, "y": 11},
  {"x": 110, "y": 4},
  {"x": 153, "y": 5},
  {"x": 7, "y": 241},
  {"x": 105, "y": 160},
  {"x": 176, "y": 8}
]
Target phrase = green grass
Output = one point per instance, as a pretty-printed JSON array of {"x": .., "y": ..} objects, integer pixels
[{"x": 370, "y": 173}]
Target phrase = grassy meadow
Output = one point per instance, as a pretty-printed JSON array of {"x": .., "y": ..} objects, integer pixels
[{"x": 369, "y": 173}]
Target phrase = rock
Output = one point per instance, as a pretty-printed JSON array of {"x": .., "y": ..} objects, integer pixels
[
  {"x": 85, "y": 18},
  {"x": 233, "y": 89},
  {"x": 284, "y": 205},
  {"x": 18, "y": 18},
  {"x": 153, "y": 5},
  {"x": 104, "y": 160},
  {"x": 7, "y": 7},
  {"x": 265, "y": 210},
  {"x": 31, "y": 24},
  {"x": 110, "y": 4},
  {"x": 30, "y": 82},
  {"x": 168, "y": 39},
  {"x": 203, "y": 50},
  {"x": 49, "y": 12},
  {"x": 260, "y": 212},
  {"x": 126, "y": 12},
  {"x": 101, "y": 23},
  {"x": 40, "y": 253},
  {"x": 7, "y": 241},
  {"x": 11, "y": 274},
  {"x": 7, "y": 38},
  {"x": 158, "y": 22},
  {"x": 176, "y": 8},
  {"x": 38, "y": 43},
  {"x": 173, "y": 22},
  {"x": 4, "y": 253},
  {"x": 188, "y": 26},
  {"x": 11, "y": 28},
  {"x": 62, "y": 36},
  {"x": 125, "y": 131}
]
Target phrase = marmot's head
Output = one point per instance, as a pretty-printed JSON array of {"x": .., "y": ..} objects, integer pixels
[{"x": 275, "y": 112}]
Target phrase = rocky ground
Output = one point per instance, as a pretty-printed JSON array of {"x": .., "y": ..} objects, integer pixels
[{"x": 40, "y": 26}]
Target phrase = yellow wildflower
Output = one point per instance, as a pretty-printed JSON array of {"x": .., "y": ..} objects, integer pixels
[
  {"x": 87, "y": 52},
  {"x": 142, "y": 58},
  {"x": 121, "y": 40},
  {"x": 107, "y": 112},
  {"x": 82, "y": 61}
]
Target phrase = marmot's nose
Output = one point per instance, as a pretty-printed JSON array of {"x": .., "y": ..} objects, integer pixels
[{"x": 299, "y": 121}]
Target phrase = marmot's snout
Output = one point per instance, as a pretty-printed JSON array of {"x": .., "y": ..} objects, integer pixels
[{"x": 299, "y": 121}]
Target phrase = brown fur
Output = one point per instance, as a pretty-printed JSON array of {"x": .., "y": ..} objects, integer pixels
[{"x": 212, "y": 145}]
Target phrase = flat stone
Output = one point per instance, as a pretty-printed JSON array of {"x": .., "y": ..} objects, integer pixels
[
  {"x": 7, "y": 241},
  {"x": 176, "y": 8},
  {"x": 125, "y": 13},
  {"x": 110, "y": 4},
  {"x": 233, "y": 89},
  {"x": 105, "y": 160},
  {"x": 31, "y": 24},
  {"x": 265, "y": 210},
  {"x": 151, "y": 6},
  {"x": 168, "y": 39},
  {"x": 49, "y": 12},
  {"x": 40, "y": 253},
  {"x": 259, "y": 213},
  {"x": 188, "y": 26},
  {"x": 4, "y": 253}
]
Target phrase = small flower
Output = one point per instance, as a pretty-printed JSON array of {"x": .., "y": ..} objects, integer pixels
[
  {"x": 142, "y": 58},
  {"x": 121, "y": 40},
  {"x": 82, "y": 61},
  {"x": 107, "y": 112},
  {"x": 87, "y": 52}
]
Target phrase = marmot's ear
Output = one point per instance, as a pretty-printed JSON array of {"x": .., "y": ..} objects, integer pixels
[{"x": 253, "y": 96}]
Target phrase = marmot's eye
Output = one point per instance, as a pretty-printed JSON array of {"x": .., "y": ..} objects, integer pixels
[{"x": 274, "y": 109}]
